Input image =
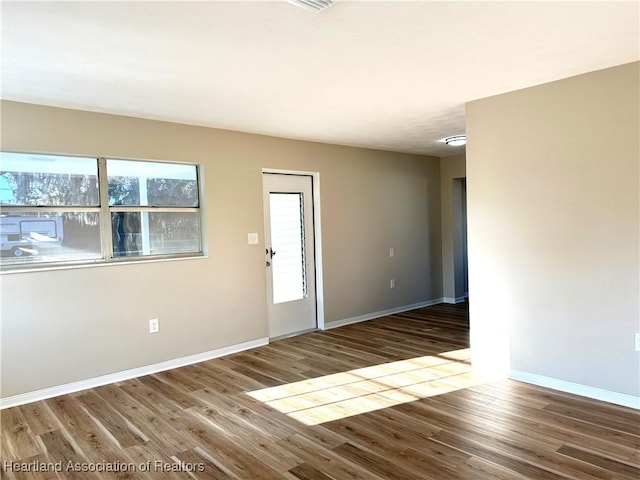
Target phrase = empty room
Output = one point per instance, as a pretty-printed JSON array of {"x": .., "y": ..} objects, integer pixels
[{"x": 320, "y": 240}]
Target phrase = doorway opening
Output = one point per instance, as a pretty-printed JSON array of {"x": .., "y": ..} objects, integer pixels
[{"x": 460, "y": 265}]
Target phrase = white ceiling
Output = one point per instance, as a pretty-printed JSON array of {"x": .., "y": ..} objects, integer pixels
[{"x": 387, "y": 75}]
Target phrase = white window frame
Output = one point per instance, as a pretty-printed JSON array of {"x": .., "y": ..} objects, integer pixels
[{"x": 104, "y": 211}]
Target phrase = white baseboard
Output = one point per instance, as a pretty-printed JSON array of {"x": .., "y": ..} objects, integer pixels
[
  {"x": 66, "y": 388},
  {"x": 454, "y": 300},
  {"x": 577, "y": 389},
  {"x": 382, "y": 313}
]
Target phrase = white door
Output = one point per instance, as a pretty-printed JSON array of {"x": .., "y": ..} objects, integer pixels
[{"x": 289, "y": 253}]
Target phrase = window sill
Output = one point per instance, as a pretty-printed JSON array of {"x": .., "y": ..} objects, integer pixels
[{"x": 96, "y": 263}]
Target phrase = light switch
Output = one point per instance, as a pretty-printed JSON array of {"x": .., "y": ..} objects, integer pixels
[
  {"x": 252, "y": 238},
  {"x": 392, "y": 252}
]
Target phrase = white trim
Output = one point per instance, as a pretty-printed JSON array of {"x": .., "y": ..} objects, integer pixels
[
  {"x": 318, "y": 247},
  {"x": 100, "y": 263},
  {"x": 290, "y": 172},
  {"x": 382, "y": 313},
  {"x": 66, "y": 388},
  {"x": 578, "y": 389},
  {"x": 455, "y": 300}
]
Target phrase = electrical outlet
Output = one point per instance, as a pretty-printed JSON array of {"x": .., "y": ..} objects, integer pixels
[
  {"x": 154, "y": 325},
  {"x": 637, "y": 342},
  {"x": 392, "y": 283}
]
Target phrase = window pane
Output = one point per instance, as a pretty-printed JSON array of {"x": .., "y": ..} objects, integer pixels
[
  {"x": 48, "y": 180},
  {"x": 152, "y": 184},
  {"x": 172, "y": 192},
  {"x": 126, "y": 232},
  {"x": 174, "y": 232},
  {"x": 155, "y": 233},
  {"x": 27, "y": 238},
  {"x": 124, "y": 190},
  {"x": 287, "y": 239}
]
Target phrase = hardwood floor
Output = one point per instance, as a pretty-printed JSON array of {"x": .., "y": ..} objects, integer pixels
[{"x": 387, "y": 399}]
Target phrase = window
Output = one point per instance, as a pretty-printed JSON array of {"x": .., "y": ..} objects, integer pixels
[
  {"x": 75, "y": 209},
  {"x": 153, "y": 207}
]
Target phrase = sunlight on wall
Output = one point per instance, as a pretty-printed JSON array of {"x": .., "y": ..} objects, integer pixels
[
  {"x": 491, "y": 355},
  {"x": 490, "y": 311},
  {"x": 344, "y": 394}
]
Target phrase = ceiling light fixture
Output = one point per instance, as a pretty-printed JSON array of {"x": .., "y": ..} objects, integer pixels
[
  {"x": 456, "y": 140},
  {"x": 315, "y": 5}
]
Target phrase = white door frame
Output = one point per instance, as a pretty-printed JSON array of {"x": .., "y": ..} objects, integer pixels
[{"x": 317, "y": 229}]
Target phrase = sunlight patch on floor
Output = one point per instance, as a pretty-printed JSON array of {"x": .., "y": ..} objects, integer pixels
[{"x": 340, "y": 395}]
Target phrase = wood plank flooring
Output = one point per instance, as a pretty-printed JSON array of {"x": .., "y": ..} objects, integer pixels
[{"x": 390, "y": 398}]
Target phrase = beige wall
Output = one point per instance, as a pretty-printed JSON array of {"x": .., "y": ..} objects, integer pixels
[
  {"x": 69, "y": 325},
  {"x": 552, "y": 177},
  {"x": 450, "y": 168}
]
